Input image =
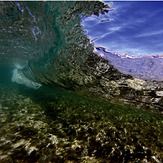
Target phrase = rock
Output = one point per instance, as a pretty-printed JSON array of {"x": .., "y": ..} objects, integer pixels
[
  {"x": 137, "y": 84},
  {"x": 159, "y": 93}
]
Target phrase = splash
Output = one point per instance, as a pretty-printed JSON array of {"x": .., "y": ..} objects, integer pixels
[{"x": 19, "y": 78}]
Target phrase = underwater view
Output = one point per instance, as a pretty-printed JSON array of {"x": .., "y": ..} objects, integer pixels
[{"x": 81, "y": 82}]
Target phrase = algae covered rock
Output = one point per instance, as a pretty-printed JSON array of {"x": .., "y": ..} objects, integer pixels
[{"x": 72, "y": 128}]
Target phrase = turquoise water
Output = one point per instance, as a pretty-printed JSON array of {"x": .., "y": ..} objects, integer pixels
[
  {"x": 43, "y": 42},
  {"x": 47, "y": 113}
]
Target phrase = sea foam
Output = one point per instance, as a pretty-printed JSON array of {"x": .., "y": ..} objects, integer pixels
[{"x": 20, "y": 78}]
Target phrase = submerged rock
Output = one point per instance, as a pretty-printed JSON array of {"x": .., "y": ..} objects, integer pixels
[
  {"x": 106, "y": 82},
  {"x": 71, "y": 128}
]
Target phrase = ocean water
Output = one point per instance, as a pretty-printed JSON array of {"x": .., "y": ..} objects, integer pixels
[{"x": 47, "y": 113}]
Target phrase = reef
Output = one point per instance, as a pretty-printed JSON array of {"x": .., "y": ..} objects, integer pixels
[
  {"x": 99, "y": 79},
  {"x": 39, "y": 126}
]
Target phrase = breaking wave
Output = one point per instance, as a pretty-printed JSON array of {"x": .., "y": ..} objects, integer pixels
[{"x": 48, "y": 36}]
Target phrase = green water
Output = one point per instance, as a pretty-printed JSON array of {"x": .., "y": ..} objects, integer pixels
[{"x": 54, "y": 123}]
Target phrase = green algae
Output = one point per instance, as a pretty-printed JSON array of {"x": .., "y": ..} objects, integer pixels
[{"x": 54, "y": 125}]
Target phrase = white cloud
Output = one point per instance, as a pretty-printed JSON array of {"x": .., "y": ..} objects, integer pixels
[
  {"x": 150, "y": 33},
  {"x": 114, "y": 29}
]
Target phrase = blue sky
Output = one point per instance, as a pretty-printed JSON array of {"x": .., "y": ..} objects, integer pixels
[{"x": 133, "y": 28}]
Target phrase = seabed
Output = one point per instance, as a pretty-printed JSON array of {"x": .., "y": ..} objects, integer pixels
[{"x": 54, "y": 125}]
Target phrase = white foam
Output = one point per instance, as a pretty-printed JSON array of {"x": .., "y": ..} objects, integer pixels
[{"x": 20, "y": 78}]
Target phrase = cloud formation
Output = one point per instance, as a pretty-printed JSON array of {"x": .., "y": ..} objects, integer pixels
[
  {"x": 132, "y": 28},
  {"x": 150, "y": 33}
]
